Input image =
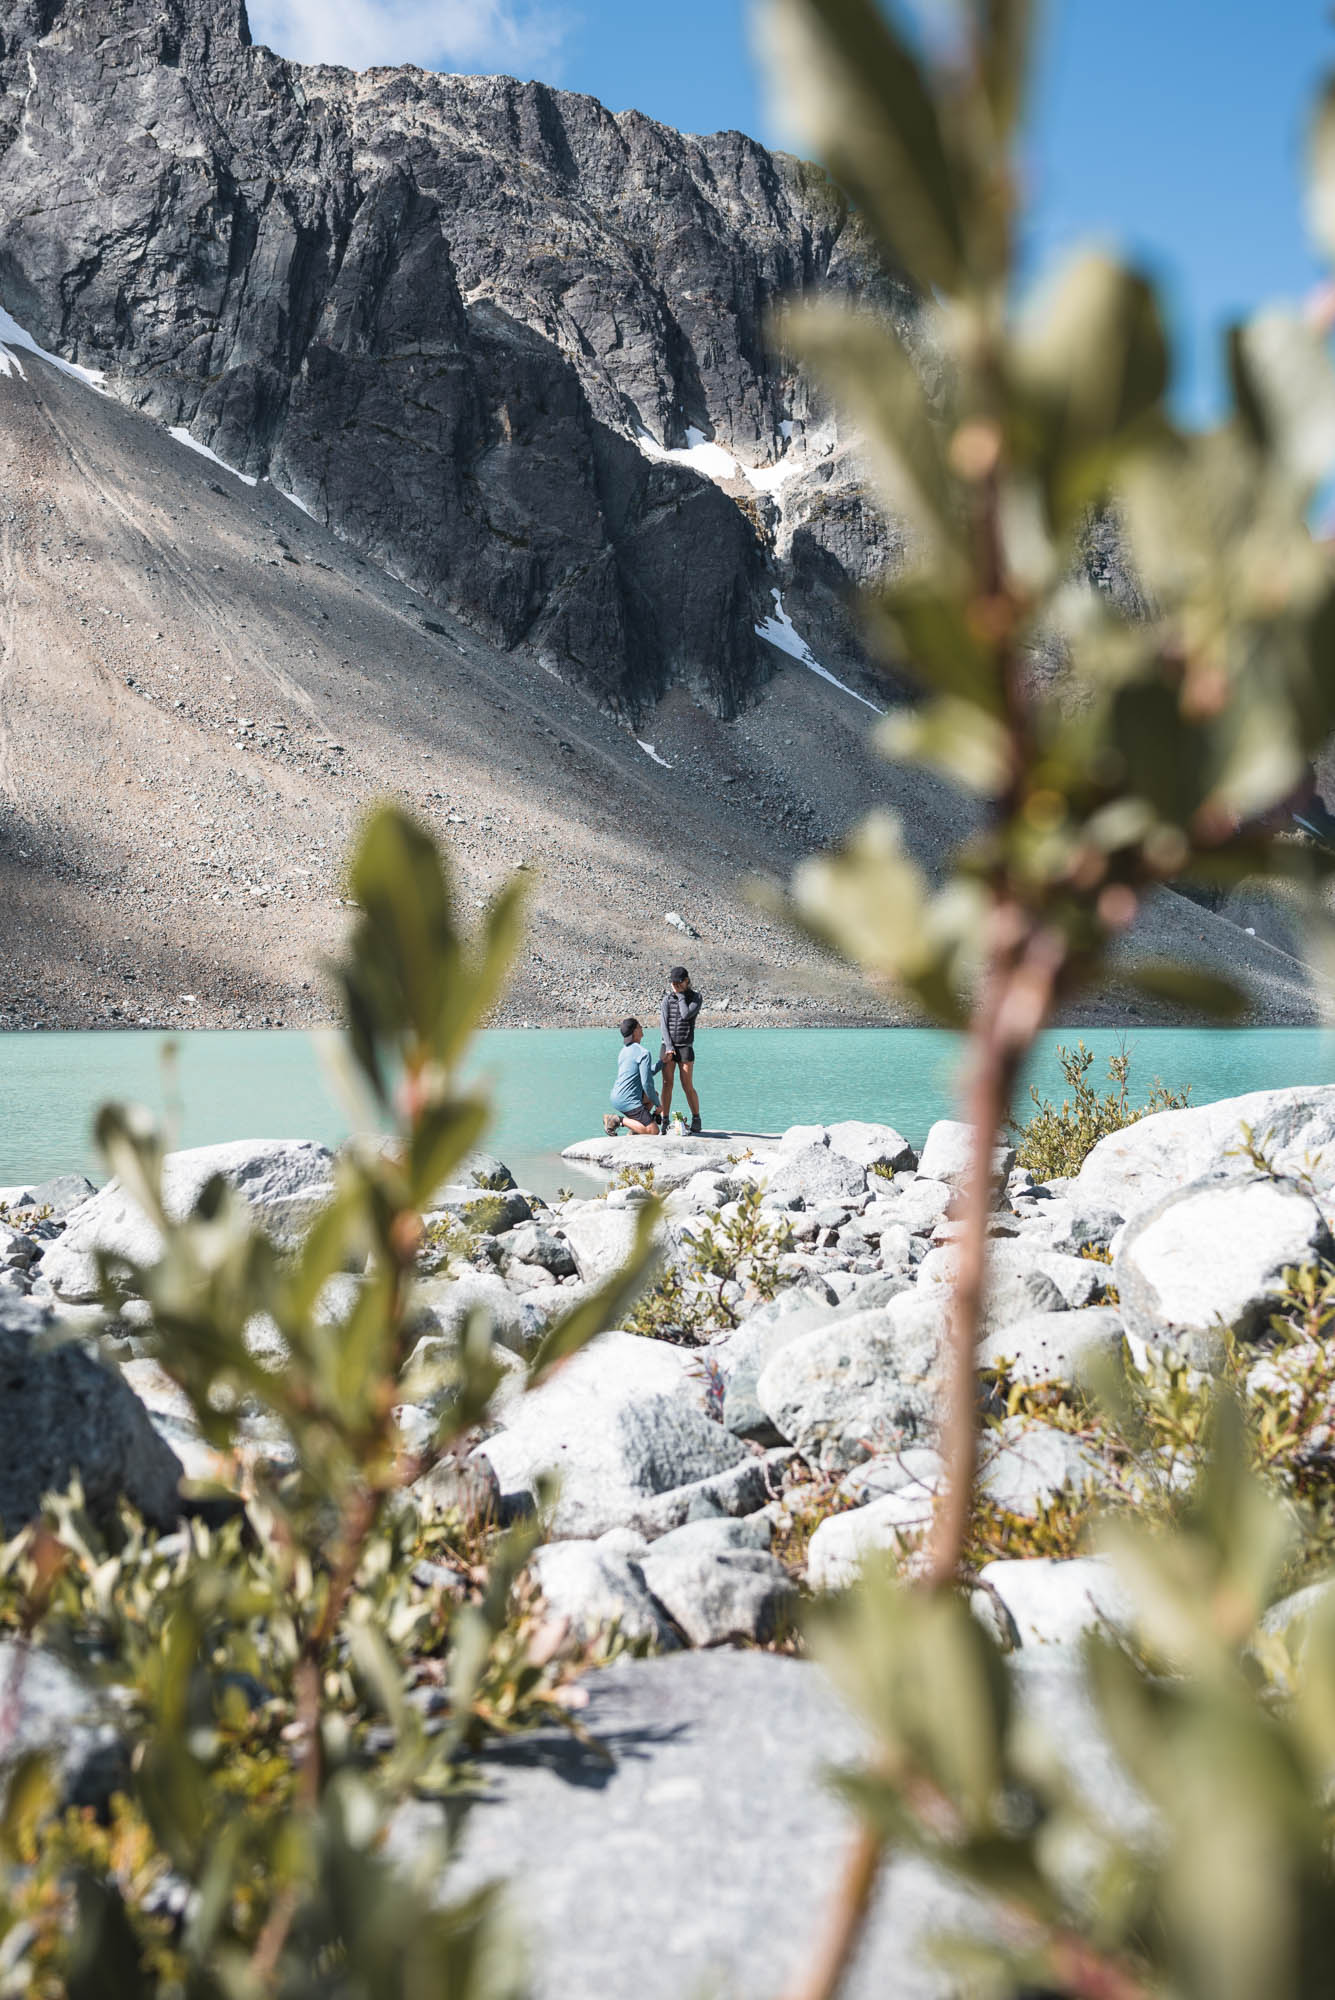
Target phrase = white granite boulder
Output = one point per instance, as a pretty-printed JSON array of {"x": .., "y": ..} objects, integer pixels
[
  {"x": 914, "y": 1201},
  {"x": 1134, "y": 1169},
  {"x": 546, "y": 1249},
  {"x": 285, "y": 1182},
  {"x": 1213, "y": 1255},
  {"x": 948, "y": 1153},
  {"x": 504, "y": 1209},
  {"x": 619, "y": 1424},
  {"x": 797, "y": 1138},
  {"x": 863, "y": 1384},
  {"x": 813, "y": 1176},
  {"x": 442, "y": 1305},
  {"x": 1020, "y": 1281},
  {"x": 597, "y": 1589},
  {"x": 1045, "y": 1601},
  {"x": 892, "y": 1525},
  {"x": 872, "y": 1145},
  {"x": 719, "y": 1596},
  {"x": 1023, "y": 1466},
  {"x": 600, "y": 1238},
  {"x": 1065, "y": 1347}
]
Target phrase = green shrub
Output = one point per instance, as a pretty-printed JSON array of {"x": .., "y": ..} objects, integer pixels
[
  {"x": 689, "y": 1304},
  {"x": 1057, "y": 1139},
  {"x": 668, "y": 1309},
  {"x": 744, "y": 1249},
  {"x": 1156, "y": 1426}
]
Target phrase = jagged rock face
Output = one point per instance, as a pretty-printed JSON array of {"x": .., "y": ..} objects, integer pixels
[{"x": 438, "y": 310}]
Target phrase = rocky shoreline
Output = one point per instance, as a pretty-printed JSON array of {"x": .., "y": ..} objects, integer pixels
[{"x": 710, "y": 1483}]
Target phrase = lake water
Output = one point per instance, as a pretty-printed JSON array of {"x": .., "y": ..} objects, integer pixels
[{"x": 549, "y": 1086}]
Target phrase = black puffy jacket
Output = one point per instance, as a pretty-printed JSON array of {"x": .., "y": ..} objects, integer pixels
[{"x": 676, "y": 1015}]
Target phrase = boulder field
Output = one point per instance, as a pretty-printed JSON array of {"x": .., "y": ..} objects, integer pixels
[{"x": 685, "y": 1468}]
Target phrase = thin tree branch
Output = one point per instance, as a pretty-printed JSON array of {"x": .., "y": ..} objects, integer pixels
[{"x": 848, "y": 1920}]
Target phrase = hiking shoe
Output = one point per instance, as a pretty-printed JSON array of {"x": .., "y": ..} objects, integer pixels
[
  {"x": 695, "y": 1126},
  {"x": 611, "y": 1125}
]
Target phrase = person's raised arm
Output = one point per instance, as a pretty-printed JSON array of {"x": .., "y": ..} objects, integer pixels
[{"x": 690, "y": 1006}]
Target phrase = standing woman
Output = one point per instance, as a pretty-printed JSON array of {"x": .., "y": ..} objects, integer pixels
[{"x": 680, "y": 1005}]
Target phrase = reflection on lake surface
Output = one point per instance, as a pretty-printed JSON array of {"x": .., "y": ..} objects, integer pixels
[{"x": 549, "y": 1086}]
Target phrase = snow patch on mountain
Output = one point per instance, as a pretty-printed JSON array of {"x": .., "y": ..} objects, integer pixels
[
  {"x": 769, "y": 478},
  {"x": 697, "y": 452},
  {"x": 292, "y": 500},
  {"x": 14, "y": 337},
  {"x": 714, "y": 462},
  {"x": 650, "y": 751},
  {"x": 780, "y": 631},
  {"x": 182, "y": 436}
]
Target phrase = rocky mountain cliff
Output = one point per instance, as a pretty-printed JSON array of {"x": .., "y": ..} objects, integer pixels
[
  {"x": 575, "y": 538},
  {"x": 486, "y": 331}
]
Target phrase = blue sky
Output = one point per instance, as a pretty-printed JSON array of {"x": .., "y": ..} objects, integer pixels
[{"x": 1169, "y": 128}]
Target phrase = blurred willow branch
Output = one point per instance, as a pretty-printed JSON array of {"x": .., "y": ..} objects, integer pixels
[
  {"x": 1179, "y": 736},
  {"x": 267, "y": 1666}
]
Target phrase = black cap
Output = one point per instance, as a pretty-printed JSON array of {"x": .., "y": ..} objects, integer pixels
[
  {"x": 628, "y": 1027},
  {"x": 677, "y": 972}
]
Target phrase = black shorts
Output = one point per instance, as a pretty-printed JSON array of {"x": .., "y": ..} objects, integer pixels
[{"x": 684, "y": 1054}]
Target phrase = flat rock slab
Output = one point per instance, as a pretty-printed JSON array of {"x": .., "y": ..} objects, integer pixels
[
  {"x": 674, "y": 1161},
  {"x": 704, "y": 1859}
]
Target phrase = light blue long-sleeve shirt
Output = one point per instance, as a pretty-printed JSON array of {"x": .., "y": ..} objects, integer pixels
[{"x": 635, "y": 1078}]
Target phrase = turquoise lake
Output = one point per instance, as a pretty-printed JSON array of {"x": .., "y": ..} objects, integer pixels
[{"x": 549, "y": 1086}]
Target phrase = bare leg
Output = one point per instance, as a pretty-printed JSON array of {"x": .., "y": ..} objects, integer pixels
[
  {"x": 635, "y": 1124},
  {"x": 669, "y": 1071},
  {"x": 687, "y": 1084}
]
